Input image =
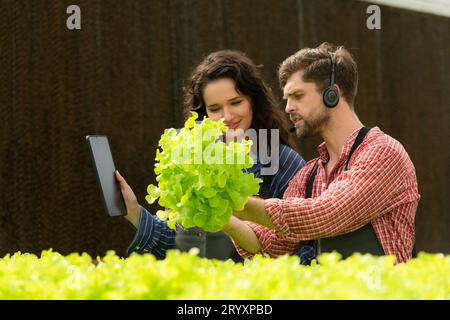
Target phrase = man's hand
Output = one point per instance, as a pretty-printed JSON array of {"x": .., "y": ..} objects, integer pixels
[{"x": 133, "y": 207}]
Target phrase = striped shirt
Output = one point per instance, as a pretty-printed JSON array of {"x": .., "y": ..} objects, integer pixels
[
  {"x": 379, "y": 187},
  {"x": 154, "y": 236}
]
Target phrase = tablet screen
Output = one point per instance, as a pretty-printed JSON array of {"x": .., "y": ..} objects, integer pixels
[{"x": 104, "y": 168}]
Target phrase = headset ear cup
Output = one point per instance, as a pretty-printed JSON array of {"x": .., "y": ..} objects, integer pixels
[{"x": 331, "y": 97}]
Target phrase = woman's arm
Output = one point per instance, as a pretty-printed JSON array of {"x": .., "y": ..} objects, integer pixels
[{"x": 152, "y": 235}]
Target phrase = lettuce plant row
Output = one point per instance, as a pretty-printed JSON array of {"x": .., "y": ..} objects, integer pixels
[{"x": 186, "y": 276}]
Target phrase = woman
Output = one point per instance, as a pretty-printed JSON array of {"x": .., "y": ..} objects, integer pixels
[{"x": 225, "y": 85}]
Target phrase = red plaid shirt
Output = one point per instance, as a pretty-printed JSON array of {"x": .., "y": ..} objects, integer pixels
[{"x": 379, "y": 186}]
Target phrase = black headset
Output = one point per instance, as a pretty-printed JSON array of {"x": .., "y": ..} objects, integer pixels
[{"x": 331, "y": 94}]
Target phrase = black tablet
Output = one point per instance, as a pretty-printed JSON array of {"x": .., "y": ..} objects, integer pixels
[{"x": 104, "y": 168}]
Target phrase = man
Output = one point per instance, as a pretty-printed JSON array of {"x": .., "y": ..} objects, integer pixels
[{"x": 359, "y": 195}]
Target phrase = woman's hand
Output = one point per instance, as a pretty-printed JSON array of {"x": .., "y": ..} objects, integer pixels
[{"x": 133, "y": 207}]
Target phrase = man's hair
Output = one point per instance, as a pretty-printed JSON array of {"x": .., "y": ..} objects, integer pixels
[{"x": 316, "y": 66}]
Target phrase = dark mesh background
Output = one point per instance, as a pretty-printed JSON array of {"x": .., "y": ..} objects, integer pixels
[{"x": 121, "y": 75}]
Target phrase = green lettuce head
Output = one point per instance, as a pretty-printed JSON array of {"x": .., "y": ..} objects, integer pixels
[{"x": 201, "y": 180}]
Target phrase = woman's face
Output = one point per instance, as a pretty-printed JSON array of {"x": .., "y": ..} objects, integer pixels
[{"x": 223, "y": 101}]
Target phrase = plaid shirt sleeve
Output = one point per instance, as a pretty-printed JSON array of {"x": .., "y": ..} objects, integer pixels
[
  {"x": 290, "y": 163},
  {"x": 372, "y": 187},
  {"x": 271, "y": 243}
]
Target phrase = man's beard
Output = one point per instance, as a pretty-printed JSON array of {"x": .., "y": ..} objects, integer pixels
[{"x": 311, "y": 128}]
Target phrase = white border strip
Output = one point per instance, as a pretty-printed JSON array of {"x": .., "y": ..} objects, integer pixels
[{"x": 436, "y": 7}]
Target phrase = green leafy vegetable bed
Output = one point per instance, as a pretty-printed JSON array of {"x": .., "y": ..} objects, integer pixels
[{"x": 185, "y": 276}]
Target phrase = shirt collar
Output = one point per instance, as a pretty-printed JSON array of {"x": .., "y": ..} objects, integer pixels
[{"x": 324, "y": 156}]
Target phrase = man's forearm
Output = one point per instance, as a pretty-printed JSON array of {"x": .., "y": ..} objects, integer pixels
[
  {"x": 243, "y": 235},
  {"x": 255, "y": 211}
]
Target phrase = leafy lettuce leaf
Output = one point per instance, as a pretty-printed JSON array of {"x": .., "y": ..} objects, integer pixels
[{"x": 201, "y": 180}]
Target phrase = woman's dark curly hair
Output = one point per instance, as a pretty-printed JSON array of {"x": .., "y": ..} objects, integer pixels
[{"x": 248, "y": 80}]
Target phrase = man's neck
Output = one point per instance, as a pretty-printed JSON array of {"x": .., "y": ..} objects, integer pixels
[{"x": 341, "y": 125}]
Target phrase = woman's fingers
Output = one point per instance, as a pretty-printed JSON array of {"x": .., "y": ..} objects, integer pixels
[
  {"x": 127, "y": 192},
  {"x": 131, "y": 203},
  {"x": 119, "y": 177},
  {"x": 123, "y": 184}
]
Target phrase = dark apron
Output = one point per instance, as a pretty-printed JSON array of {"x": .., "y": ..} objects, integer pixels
[{"x": 364, "y": 239}]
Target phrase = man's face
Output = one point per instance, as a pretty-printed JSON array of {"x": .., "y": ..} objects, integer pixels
[{"x": 305, "y": 106}]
